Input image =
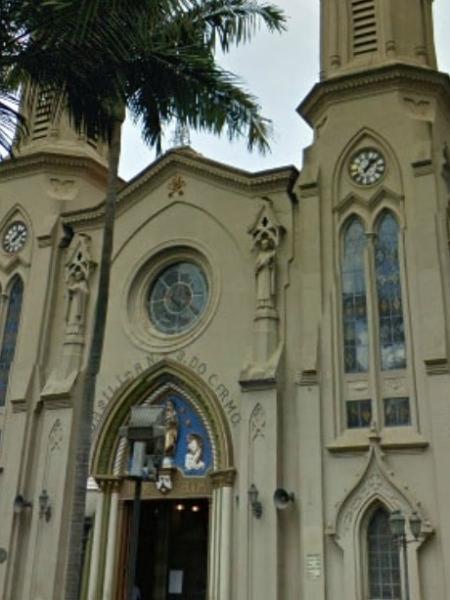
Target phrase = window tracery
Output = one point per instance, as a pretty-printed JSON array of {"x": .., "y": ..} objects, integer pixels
[
  {"x": 390, "y": 310},
  {"x": 382, "y": 558},
  {"x": 373, "y": 326},
  {"x": 354, "y": 302},
  {"x": 10, "y": 333}
]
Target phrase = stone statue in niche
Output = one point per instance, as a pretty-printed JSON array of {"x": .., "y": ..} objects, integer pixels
[
  {"x": 266, "y": 349},
  {"x": 266, "y": 239},
  {"x": 78, "y": 270},
  {"x": 171, "y": 433},
  {"x": 265, "y": 273}
]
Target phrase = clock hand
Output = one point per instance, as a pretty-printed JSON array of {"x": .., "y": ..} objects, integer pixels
[{"x": 371, "y": 162}]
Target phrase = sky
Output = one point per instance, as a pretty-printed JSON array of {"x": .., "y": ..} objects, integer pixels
[{"x": 279, "y": 69}]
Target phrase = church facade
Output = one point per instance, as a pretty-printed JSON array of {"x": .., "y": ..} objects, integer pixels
[{"x": 292, "y": 326}]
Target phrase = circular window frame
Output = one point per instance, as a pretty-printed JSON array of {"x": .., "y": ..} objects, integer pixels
[
  {"x": 138, "y": 323},
  {"x": 197, "y": 276},
  {"x": 357, "y": 152}
]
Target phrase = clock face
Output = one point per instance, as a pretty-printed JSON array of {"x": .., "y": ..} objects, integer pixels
[
  {"x": 15, "y": 237},
  {"x": 367, "y": 167},
  {"x": 178, "y": 297}
]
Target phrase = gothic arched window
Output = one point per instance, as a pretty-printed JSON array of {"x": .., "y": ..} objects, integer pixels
[
  {"x": 384, "y": 580},
  {"x": 389, "y": 294},
  {"x": 373, "y": 323},
  {"x": 354, "y": 302},
  {"x": 10, "y": 331}
]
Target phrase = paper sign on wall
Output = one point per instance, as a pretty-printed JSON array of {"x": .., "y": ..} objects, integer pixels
[{"x": 175, "y": 582}]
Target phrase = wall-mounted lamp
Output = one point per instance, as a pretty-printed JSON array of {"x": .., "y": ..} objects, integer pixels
[
  {"x": 20, "y": 504},
  {"x": 45, "y": 509},
  {"x": 255, "y": 504},
  {"x": 282, "y": 498}
]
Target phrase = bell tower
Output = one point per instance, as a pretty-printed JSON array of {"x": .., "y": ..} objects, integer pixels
[
  {"x": 379, "y": 160},
  {"x": 49, "y": 130},
  {"x": 365, "y": 34}
]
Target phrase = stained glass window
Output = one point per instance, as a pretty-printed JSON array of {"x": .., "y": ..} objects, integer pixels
[
  {"x": 178, "y": 297},
  {"x": 354, "y": 304},
  {"x": 396, "y": 412},
  {"x": 10, "y": 331},
  {"x": 359, "y": 413},
  {"x": 383, "y": 559},
  {"x": 391, "y": 325}
]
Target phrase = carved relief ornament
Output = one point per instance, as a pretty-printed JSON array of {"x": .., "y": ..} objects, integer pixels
[
  {"x": 266, "y": 233},
  {"x": 376, "y": 483},
  {"x": 79, "y": 266}
]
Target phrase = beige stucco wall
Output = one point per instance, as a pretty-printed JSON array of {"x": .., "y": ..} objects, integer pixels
[{"x": 285, "y": 412}]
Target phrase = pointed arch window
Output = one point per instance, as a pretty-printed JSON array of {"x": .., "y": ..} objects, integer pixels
[
  {"x": 373, "y": 327},
  {"x": 383, "y": 560},
  {"x": 10, "y": 332},
  {"x": 389, "y": 294},
  {"x": 354, "y": 300}
]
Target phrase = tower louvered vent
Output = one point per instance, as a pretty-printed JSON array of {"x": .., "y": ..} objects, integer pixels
[
  {"x": 43, "y": 114},
  {"x": 364, "y": 27}
]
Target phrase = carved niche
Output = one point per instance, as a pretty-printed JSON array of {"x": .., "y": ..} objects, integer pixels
[{"x": 376, "y": 483}]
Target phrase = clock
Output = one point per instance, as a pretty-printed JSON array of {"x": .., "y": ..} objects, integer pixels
[
  {"x": 177, "y": 297},
  {"x": 367, "y": 166},
  {"x": 15, "y": 237}
]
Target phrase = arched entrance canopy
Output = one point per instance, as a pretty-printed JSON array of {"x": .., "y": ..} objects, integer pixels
[{"x": 151, "y": 386}]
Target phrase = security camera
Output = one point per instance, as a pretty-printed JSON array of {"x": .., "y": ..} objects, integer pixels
[{"x": 282, "y": 498}]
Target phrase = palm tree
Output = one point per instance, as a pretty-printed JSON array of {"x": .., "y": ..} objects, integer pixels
[
  {"x": 155, "y": 58},
  {"x": 10, "y": 44}
]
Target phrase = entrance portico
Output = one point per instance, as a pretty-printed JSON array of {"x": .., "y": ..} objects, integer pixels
[{"x": 186, "y": 520}]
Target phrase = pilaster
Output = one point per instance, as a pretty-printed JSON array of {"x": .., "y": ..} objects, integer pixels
[
  {"x": 258, "y": 537},
  {"x": 311, "y": 540}
]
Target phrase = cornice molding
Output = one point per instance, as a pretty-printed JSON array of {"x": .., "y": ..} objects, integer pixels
[
  {"x": 185, "y": 159},
  {"x": 189, "y": 159},
  {"x": 389, "y": 76},
  {"x": 20, "y": 165}
]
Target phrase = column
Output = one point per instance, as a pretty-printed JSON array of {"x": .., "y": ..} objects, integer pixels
[
  {"x": 333, "y": 31},
  {"x": 220, "y": 535},
  {"x": 96, "y": 547},
  {"x": 108, "y": 585},
  {"x": 389, "y": 40}
]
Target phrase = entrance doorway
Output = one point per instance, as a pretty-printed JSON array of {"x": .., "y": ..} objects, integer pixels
[{"x": 173, "y": 549}]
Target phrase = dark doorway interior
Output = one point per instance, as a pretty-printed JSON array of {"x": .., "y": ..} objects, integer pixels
[{"x": 172, "y": 552}]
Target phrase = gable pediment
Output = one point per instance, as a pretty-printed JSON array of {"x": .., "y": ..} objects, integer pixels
[{"x": 174, "y": 168}]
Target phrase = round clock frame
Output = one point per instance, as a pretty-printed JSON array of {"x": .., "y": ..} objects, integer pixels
[
  {"x": 15, "y": 237},
  {"x": 367, "y": 167}
]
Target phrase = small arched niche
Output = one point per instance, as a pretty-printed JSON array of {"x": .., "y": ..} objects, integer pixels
[{"x": 345, "y": 186}]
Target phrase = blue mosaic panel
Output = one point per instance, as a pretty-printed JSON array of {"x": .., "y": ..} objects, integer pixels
[
  {"x": 191, "y": 451},
  {"x": 10, "y": 335},
  {"x": 390, "y": 309},
  {"x": 354, "y": 303}
]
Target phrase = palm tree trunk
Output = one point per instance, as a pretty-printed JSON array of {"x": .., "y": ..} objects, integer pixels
[{"x": 83, "y": 427}]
